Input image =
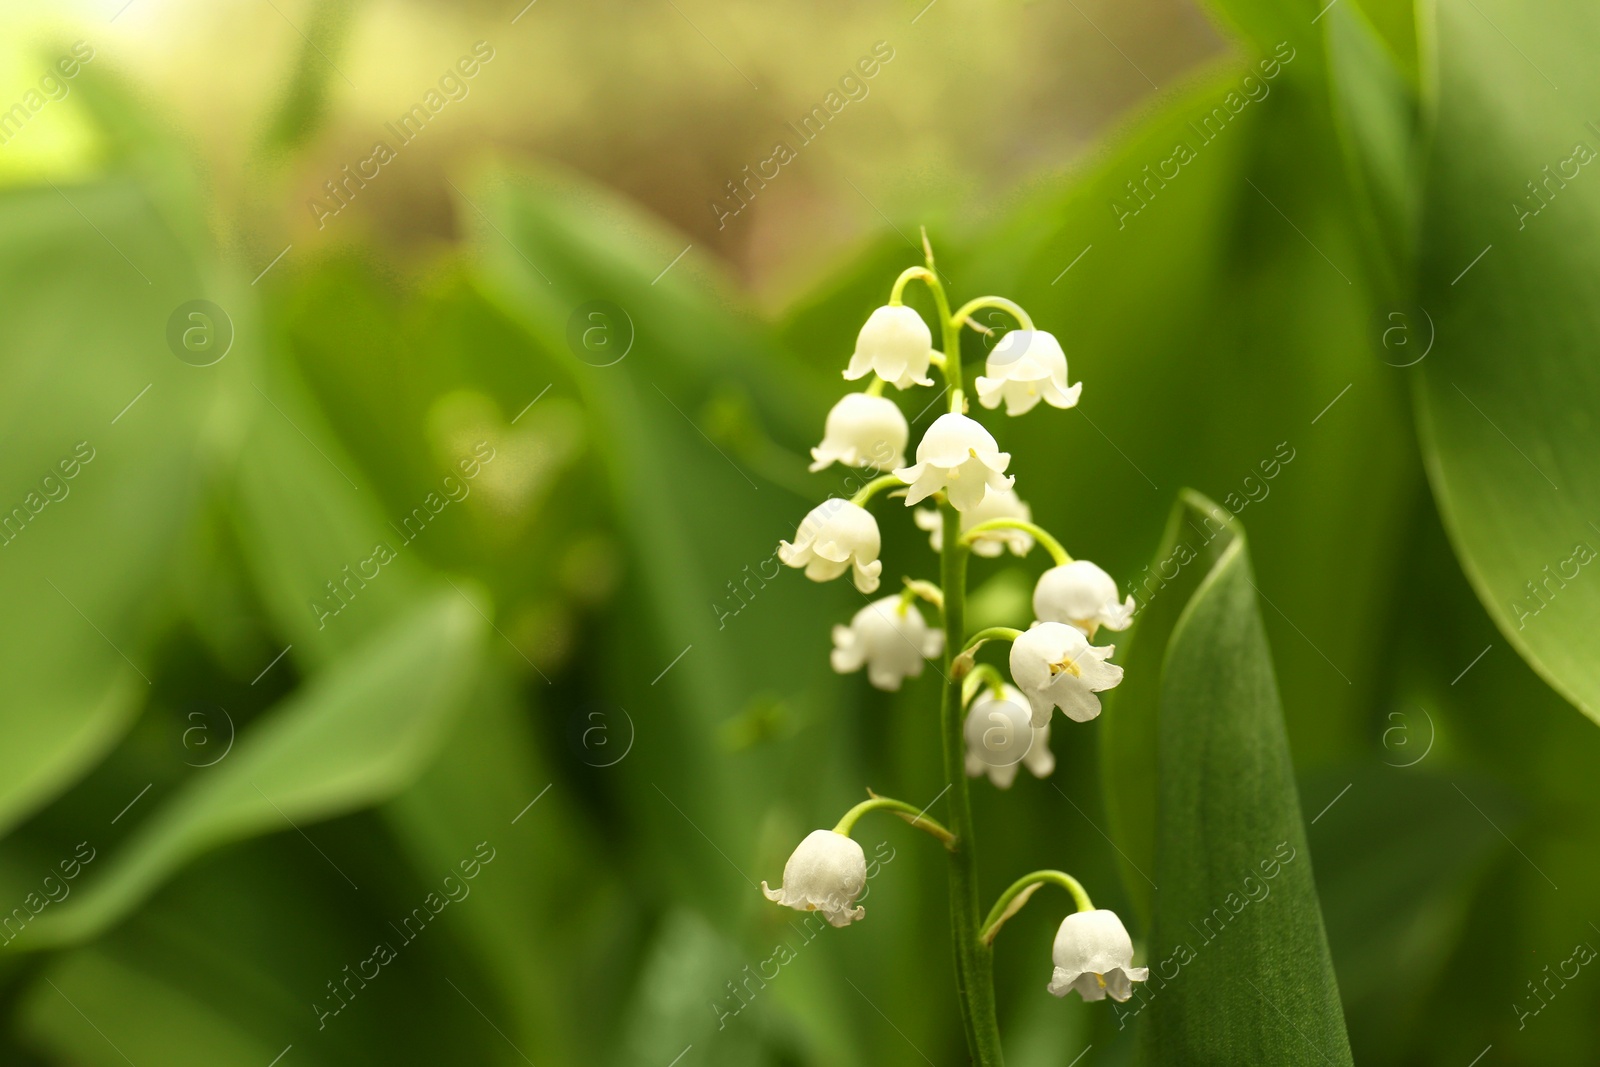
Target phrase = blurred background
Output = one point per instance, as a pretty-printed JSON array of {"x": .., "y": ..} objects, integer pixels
[{"x": 372, "y": 615}]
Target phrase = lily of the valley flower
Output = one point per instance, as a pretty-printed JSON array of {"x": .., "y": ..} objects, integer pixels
[
  {"x": 1093, "y": 955},
  {"x": 834, "y": 537},
  {"x": 863, "y": 431},
  {"x": 959, "y": 456},
  {"x": 1055, "y": 666},
  {"x": 996, "y": 504},
  {"x": 896, "y": 344},
  {"x": 826, "y": 873},
  {"x": 1081, "y": 594},
  {"x": 1027, "y": 366},
  {"x": 889, "y": 638},
  {"x": 1000, "y": 736}
]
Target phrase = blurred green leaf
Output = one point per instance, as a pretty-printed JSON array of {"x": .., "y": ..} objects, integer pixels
[
  {"x": 1507, "y": 402},
  {"x": 102, "y": 423},
  {"x": 356, "y": 734},
  {"x": 1240, "y": 971}
]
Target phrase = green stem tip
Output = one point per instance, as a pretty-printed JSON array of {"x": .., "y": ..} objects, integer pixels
[
  {"x": 1012, "y": 900},
  {"x": 1039, "y": 534},
  {"x": 912, "y": 815}
]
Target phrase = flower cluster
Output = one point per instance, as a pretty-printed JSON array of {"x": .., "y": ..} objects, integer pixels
[{"x": 1003, "y": 717}]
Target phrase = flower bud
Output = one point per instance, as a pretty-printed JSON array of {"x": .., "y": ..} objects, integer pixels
[
  {"x": 1093, "y": 956},
  {"x": 863, "y": 431},
  {"x": 1025, "y": 367},
  {"x": 836, "y": 536},
  {"x": 1081, "y": 594},
  {"x": 895, "y": 344},
  {"x": 826, "y": 873},
  {"x": 889, "y": 638}
]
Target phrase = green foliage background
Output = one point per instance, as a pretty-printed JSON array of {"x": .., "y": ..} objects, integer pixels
[{"x": 593, "y": 630}]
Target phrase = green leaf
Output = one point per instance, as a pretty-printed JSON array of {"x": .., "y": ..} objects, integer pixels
[
  {"x": 1240, "y": 970},
  {"x": 356, "y": 734},
  {"x": 1197, "y": 532},
  {"x": 1510, "y": 274},
  {"x": 102, "y": 423}
]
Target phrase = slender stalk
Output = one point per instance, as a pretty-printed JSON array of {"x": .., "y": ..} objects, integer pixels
[
  {"x": 1012, "y": 900},
  {"x": 910, "y": 814},
  {"x": 874, "y": 487},
  {"x": 1038, "y": 533},
  {"x": 999, "y": 303},
  {"x": 974, "y": 960}
]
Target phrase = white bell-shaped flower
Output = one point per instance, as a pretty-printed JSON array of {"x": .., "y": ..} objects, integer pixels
[
  {"x": 889, "y": 638},
  {"x": 1081, "y": 594},
  {"x": 863, "y": 431},
  {"x": 1093, "y": 955},
  {"x": 836, "y": 536},
  {"x": 826, "y": 873},
  {"x": 959, "y": 456},
  {"x": 1055, "y": 666},
  {"x": 1027, "y": 366},
  {"x": 1001, "y": 737},
  {"x": 895, "y": 343},
  {"x": 996, "y": 504}
]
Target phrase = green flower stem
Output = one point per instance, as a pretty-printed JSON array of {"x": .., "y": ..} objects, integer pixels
[
  {"x": 875, "y": 387},
  {"x": 991, "y": 633},
  {"x": 997, "y": 302},
  {"x": 974, "y": 958},
  {"x": 981, "y": 675},
  {"x": 874, "y": 487},
  {"x": 1040, "y": 534},
  {"x": 1012, "y": 900},
  {"x": 912, "y": 815},
  {"x": 911, "y": 274}
]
